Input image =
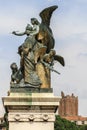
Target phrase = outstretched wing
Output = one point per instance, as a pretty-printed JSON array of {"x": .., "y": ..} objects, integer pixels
[
  {"x": 60, "y": 59},
  {"x": 46, "y": 14}
]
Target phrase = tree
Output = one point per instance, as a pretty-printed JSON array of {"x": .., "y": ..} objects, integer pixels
[{"x": 63, "y": 124}]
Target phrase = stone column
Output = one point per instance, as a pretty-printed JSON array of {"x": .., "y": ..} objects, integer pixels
[{"x": 31, "y": 109}]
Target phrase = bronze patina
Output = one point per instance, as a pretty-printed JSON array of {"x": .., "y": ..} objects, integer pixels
[{"x": 37, "y": 54}]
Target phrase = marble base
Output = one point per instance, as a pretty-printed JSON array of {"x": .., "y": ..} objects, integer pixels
[
  {"x": 31, "y": 126},
  {"x": 31, "y": 110}
]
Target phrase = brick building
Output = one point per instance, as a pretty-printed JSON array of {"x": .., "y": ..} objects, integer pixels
[
  {"x": 68, "y": 105},
  {"x": 68, "y": 109}
]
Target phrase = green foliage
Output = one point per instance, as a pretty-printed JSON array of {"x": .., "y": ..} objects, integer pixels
[
  {"x": 63, "y": 124},
  {"x": 6, "y": 121},
  {"x": 83, "y": 127}
]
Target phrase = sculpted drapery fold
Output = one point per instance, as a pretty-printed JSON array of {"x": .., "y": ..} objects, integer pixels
[{"x": 37, "y": 54}]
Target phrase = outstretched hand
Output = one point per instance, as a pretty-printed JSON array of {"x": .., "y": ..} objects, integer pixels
[{"x": 14, "y": 32}]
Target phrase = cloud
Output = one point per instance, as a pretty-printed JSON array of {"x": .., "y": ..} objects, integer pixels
[
  {"x": 15, "y": 18},
  {"x": 82, "y": 1},
  {"x": 83, "y": 107},
  {"x": 70, "y": 31},
  {"x": 70, "y": 19},
  {"x": 73, "y": 75}
]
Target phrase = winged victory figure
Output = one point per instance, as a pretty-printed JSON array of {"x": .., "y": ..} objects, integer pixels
[
  {"x": 45, "y": 35},
  {"x": 37, "y": 51}
]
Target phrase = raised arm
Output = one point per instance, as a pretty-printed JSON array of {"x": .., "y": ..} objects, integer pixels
[{"x": 18, "y": 34}]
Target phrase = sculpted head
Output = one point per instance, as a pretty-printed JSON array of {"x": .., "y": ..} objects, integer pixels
[
  {"x": 34, "y": 21},
  {"x": 52, "y": 52},
  {"x": 14, "y": 67}
]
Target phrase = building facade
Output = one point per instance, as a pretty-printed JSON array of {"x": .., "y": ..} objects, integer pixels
[
  {"x": 68, "y": 105},
  {"x": 68, "y": 109}
]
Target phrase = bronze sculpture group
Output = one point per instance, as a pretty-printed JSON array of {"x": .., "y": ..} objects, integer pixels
[{"x": 37, "y": 54}]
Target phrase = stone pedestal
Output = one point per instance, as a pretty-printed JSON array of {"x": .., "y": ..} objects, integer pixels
[{"x": 31, "y": 108}]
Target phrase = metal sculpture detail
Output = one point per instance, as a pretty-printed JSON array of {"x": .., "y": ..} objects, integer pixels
[{"x": 37, "y": 54}]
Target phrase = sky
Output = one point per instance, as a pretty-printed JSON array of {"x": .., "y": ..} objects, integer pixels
[{"x": 69, "y": 26}]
